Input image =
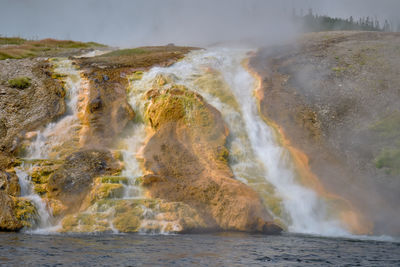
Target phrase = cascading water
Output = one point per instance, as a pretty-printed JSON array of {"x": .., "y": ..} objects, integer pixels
[
  {"x": 54, "y": 136},
  {"x": 45, "y": 218},
  {"x": 256, "y": 158},
  {"x": 131, "y": 151}
]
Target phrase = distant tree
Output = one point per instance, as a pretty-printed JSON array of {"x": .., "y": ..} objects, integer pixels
[
  {"x": 314, "y": 22},
  {"x": 386, "y": 26},
  {"x": 377, "y": 25}
]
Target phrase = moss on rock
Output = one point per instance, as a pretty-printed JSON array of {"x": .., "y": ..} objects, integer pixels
[
  {"x": 114, "y": 179},
  {"x": 20, "y": 82},
  {"x": 26, "y": 212},
  {"x": 133, "y": 215}
]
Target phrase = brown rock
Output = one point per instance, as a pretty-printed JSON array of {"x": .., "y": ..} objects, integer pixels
[
  {"x": 186, "y": 159},
  {"x": 9, "y": 183},
  {"x": 8, "y": 219},
  {"x": 72, "y": 181},
  {"x": 28, "y": 109},
  {"x": 106, "y": 111}
]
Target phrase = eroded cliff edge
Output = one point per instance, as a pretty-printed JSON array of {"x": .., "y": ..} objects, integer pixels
[
  {"x": 80, "y": 178},
  {"x": 336, "y": 97}
]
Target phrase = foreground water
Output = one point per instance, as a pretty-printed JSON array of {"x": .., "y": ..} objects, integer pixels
[{"x": 225, "y": 249}]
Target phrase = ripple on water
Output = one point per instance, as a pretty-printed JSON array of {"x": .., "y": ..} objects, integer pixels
[{"x": 227, "y": 249}]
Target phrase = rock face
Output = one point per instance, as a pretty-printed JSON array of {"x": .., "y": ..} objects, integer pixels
[
  {"x": 22, "y": 110},
  {"x": 9, "y": 183},
  {"x": 72, "y": 181},
  {"x": 186, "y": 160},
  {"x": 106, "y": 111},
  {"x": 336, "y": 97},
  {"x": 16, "y": 212},
  {"x": 8, "y": 218}
]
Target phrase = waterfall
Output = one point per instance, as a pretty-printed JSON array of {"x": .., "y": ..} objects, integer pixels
[
  {"x": 57, "y": 133},
  {"x": 44, "y": 223},
  {"x": 53, "y": 136},
  {"x": 256, "y": 156}
]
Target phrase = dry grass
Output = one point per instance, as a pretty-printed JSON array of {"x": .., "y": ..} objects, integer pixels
[
  {"x": 139, "y": 58},
  {"x": 18, "y": 48}
]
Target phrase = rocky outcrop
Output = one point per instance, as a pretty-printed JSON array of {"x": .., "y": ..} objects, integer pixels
[
  {"x": 186, "y": 161},
  {"x": 106, "y": 111},
  {"x": 9, "y": 183},
  {"x": 22, "y": 110},
  {"x": 73, "y": 179},
  {"x": 16, "y": 212},
  {"x": 8, "y": 218}
]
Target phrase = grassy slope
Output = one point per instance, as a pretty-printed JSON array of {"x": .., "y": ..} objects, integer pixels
[
  {"x": 17, "y": 48},
  {"x": 139, "y": 58}
]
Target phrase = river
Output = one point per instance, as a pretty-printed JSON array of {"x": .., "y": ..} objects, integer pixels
[{"x": 224, "y": 249}]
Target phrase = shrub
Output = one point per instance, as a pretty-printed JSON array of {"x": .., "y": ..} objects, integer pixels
[
  {"x": 20, "y": 82},
  {"x": 390, "y": 160}
]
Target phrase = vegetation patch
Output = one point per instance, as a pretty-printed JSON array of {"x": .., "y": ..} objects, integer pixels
[
  {"x": 17, "y": 48},
  {"x": 388, "y": 129},
  {"x": 389, "y": 159},
  {"x": 20, "y": 82},
  {"x": 126, "y": 52},
  {"x": 26, "y": 212},
  {"x": 114, "y": 180},
  {"x": 139, "y": 58},
  {"x": 11, "y": 41}
]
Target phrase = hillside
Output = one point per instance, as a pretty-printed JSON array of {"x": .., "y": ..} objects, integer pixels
[{"x": 336, "y": 97}]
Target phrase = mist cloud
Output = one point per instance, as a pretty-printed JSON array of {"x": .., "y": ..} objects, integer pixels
[{"x": 183, "y": 22}]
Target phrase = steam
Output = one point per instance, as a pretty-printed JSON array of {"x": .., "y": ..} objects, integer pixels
[{"x": 183, "y": 22}]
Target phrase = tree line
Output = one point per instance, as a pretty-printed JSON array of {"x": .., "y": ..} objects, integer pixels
[{"x": 314, "y": 23}]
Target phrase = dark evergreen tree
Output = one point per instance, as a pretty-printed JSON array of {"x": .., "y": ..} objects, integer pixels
[{"x": 313, "y": 22}]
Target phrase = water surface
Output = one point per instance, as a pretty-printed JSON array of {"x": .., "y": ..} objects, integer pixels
[{"x": 226, "y": 249}]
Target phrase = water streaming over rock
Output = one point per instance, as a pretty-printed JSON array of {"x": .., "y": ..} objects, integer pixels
[
  {"x": 57, "y": 134},
  {"x": 44, "y": 220},
  {"x": 49, "y": 141},
  {"x": 256, "y": 157}
]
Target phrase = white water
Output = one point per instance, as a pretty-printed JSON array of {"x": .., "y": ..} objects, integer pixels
[
  {"x": 256, "y": 158},
  {"x": 59, "y": 132},
  {"x": 303, "y": 210},
  {"x": 132, "y": 145},
  {"x": 134, "y": 141},
  {"x": 44, "y": 214},
  {"x": 54, "y": 135}
]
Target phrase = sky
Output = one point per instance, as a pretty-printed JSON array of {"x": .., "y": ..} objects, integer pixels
[{"x": 183, "y": 22}]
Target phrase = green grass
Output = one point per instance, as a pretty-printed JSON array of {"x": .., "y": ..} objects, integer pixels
[
  {"x": 126, "y": 52},
  {"x": 389, "y": 159},
  {"x": 11, "y": 41},
  {"x": 17, "y": 48},
  {"x": 388, "y": 129},
  {"x": 20, "y": 82}
]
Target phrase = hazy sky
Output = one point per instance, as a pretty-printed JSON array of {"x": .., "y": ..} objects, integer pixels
[{"x": 192, "y": 22}]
